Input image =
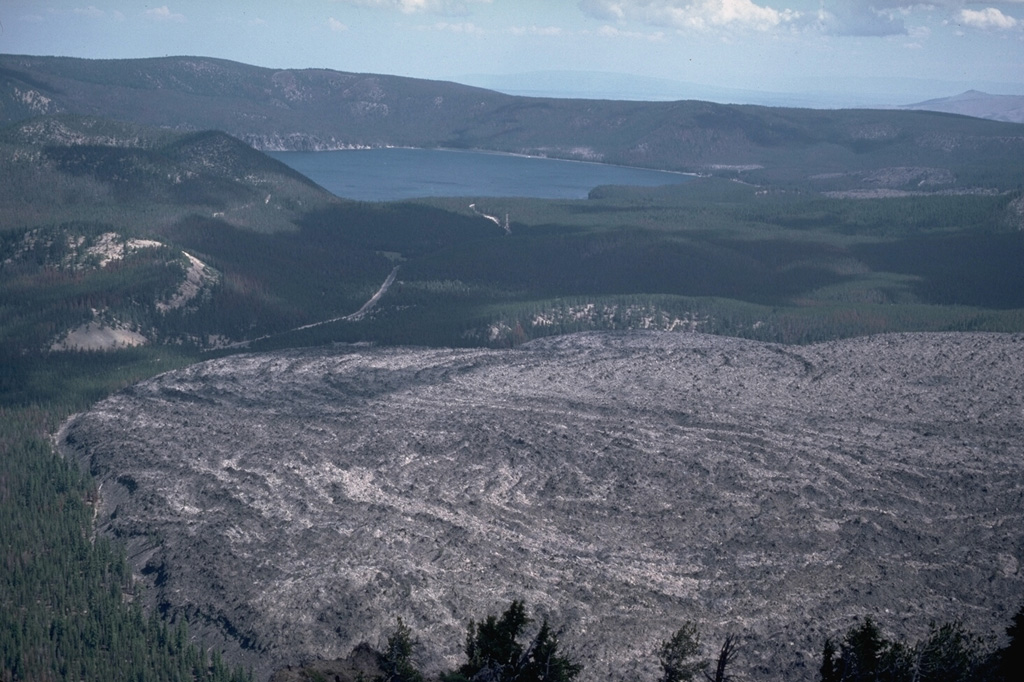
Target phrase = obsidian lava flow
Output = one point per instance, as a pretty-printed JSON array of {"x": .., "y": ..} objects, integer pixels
[{"x": 294, "y": 504}]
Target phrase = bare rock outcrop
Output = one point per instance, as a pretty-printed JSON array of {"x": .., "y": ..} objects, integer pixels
[{"x": 295, "y": 504}]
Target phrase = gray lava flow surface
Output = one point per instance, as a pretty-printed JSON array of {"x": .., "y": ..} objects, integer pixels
[{"x": 292, "y": 505}]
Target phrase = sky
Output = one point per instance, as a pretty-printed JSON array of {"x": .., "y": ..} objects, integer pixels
[{"x": 892, "y": 50}]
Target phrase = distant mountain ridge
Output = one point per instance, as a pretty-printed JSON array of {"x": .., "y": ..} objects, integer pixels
[
  {"x": 621, "y": 86},
  {"x": 1008, "y": 108},
  {"x": 154, "y": 154},
  {"x": 316, "y": 109},
  {"x": 864, "y": 93}
]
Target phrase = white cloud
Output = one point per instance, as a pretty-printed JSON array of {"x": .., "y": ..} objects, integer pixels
[
  {"x": 445, "y": 7},
  {"x": 691, "y": 14},
  {"x": 335, "y": 25},
  {"x": 988, "y": 18},
  {"x": 606, "y": 10},
  {"x": 832, "y": 17},
  {"x": 723, "y": 12},
  {"x": 918, "y": 36},
  {"x": 164, "y": 14},
  {"x": 873, "y": 17},
  {"x": 860, "y": 19}
]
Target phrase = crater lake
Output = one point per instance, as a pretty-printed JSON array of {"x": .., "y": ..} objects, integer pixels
[{"x": 397, "y": 173}]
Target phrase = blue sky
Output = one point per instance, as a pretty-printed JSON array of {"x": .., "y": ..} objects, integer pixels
[{"x": 895, "y": 49}]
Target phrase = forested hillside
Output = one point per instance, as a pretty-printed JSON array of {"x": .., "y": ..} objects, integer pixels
[
  {"x": 322, "y": 109},
  {"x": 69, "y": 607},
  {"x": 142, "y": 236}
]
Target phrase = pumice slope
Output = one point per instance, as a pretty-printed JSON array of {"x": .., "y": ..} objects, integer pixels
[{"x": 292, "y": 505}]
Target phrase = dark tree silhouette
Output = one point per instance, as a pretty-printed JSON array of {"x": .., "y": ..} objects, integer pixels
[
  {"x": 1011, "y": 657},
  {"x": 863, "y": 656},
  {"x": 494, "y": 652},
  {"x": 829, "y": 664},
  {"x": 862, "y": 652},
  {"x": 396, "y": 659},
  {"x": 679, "y": 655},
  {"x": 949, "y": 654},
  {"x": 726, "y": 655},
  {"x": 543, "y": 663}
]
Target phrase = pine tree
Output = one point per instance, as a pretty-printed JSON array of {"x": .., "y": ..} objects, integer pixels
[
  {"x": 494, "y": 652},
  {"x": 679, "y": 655},
  {"x": 726, "y": 655},
  {"x": 861, "y": 652},
  {"x": 949, "y": 654},
  {"x": 829, "y": 669},
  {"x": 543, "y": 663},
  {"x": 1011, "y": 657},
  {"x": 396, "y": 659}
]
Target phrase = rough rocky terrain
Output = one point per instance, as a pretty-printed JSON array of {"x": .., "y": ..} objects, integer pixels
[
  {"x": 91, "y": 254},
  {"x": 296, "y": 503}
]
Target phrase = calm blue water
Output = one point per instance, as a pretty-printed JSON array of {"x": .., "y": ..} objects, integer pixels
[{"x": 390, "y": 174}]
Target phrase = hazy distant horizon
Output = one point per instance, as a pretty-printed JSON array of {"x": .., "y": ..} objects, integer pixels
[
  {"x": 891, "y": 93},
  {"x": 828, "y": 53}
]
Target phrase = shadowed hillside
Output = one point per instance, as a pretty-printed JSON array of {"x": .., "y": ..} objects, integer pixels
[
  {"x": 92, "y": 253},
  {"x": 117, "y": 234},
  {"x": 322, "y": 109},
  {"x": 61, "y": 168}
]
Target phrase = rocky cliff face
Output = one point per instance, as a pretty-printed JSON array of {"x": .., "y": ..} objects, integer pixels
[{"x": 296, "y": 503}]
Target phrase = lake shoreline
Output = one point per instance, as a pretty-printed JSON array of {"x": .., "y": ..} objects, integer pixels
[
  {"x": 392, "y": 173},
  {"x": 554, "y": 158}
]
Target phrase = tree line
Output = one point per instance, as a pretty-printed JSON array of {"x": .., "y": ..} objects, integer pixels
[
  {"x": 502, "y": 649},
  {"x": 68, "y": 606}
]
